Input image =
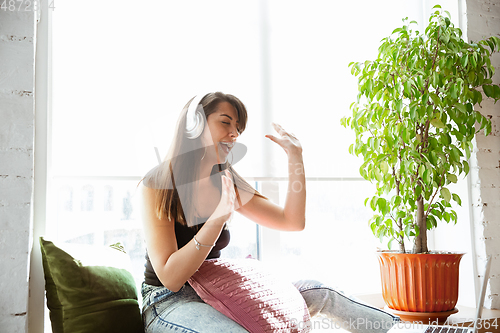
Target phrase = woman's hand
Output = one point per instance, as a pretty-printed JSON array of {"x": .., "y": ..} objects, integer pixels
[
  {"x": 225, "y": 209},
  {"x": 287, "y": 140}
]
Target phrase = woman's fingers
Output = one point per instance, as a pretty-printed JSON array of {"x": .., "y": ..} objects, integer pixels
[
  {"x": 228, "y": 187},
  {"x": 280, "y": 129},
  {"x": 287, "y": 141},
  {"x": 273, "y": 138},
  {"x": 230, "y": 196},
  {"x": 228, "y": 178},
  {"x": 225, "y": 208},
  {"x": 277, "y": 127}
]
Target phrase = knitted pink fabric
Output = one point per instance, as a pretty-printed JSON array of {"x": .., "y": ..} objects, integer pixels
[{"x": 246, "y": 292}]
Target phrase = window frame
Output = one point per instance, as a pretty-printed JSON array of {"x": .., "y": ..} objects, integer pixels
[
  {"x": 268, "y": 241},
  {"x": 43, "y": 126}
]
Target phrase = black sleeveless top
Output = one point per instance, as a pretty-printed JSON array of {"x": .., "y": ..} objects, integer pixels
[{"x": 183, "y": 235}]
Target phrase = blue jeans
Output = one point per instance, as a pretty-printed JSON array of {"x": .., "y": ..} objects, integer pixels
[{"x": 185, "y": 312}]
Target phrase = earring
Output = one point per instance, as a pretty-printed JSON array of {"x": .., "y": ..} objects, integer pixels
[{"x": 204, "y": 153}]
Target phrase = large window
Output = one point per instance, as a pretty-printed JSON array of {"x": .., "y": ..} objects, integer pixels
[{"x": 123, "y": 70}]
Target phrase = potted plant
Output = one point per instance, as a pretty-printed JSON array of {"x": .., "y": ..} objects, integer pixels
[{"x": 414, "y": 122}]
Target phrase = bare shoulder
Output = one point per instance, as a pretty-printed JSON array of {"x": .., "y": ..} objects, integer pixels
[
  {"x": 159, "y": 233},
  {"x": 146, "y": 192},
  {"x": 149, "y": 210}
]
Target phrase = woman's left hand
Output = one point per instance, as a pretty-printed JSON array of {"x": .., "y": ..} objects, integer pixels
[{"x": 287, "y": 140}]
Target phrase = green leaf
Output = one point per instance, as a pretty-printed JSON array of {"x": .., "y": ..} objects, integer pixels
[
  {"x": 413, "y": 112},
  {"x": 446, "y": 217},
  {"x": 457, "y": 199},
  {"x": 435, "y": 99},
  {"x": 445, "y": 139},
  {"x": 452, "y": 178},
  {"x": 487, "y": 129},
  {"x": 433, "y": 158},
  {"x": 382, "y": 204},
  {"x": 408, "y": 230},
  {"x": 436, "y": 213},
  {"x": 453, "y": 91},
  {"x": 399, "y": 105},
  {"x": 373, "y": 203},
  {"x": 369, "y": 86},
  {"x": 418, "y": 191},
  {"x": 466, "y": 167},
  {"x": 434, "y": 223},
  {"x": 446, "y": 194},
  {"x": 425, "y": 98},
  {"x": 456, "y": 153},
  {"x": 384, "y": 167},
  {"x": 496, "y": 92},
  {"x": 405, "y": 135},
  {"x": 381, "y": 232},
  {"x": 488, "y": 90},
  {"x": 465, "y": 60},
  {"x": 427, "y": 176},
  {"x": 467, "y": 151},
  {"x": 407, "y": 88},
  {"x": 431, "y": 222},
  {"x": 461, "y": 107},
  {"x": 421, "y": 171},
  {"x": 437, "y": 123},
  {"x": 351, "y": 149},
  {"x": 496, "y": 40},
  {"x": 429, "y": 110},
  {"x": 396, "y": 30}
]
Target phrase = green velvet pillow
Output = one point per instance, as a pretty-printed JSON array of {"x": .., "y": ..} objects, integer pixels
[{"x": 90, "y": 289}]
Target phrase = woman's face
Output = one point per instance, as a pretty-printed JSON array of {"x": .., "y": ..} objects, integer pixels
[{"x": 222, "y": 134}]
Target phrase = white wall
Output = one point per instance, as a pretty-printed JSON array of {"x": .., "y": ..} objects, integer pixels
[
  {"x": 483, "y": 20},
  {"x": 17, "y": 54}
]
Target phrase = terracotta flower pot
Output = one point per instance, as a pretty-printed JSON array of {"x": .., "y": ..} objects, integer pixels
[{"x": 420, "y": 282}]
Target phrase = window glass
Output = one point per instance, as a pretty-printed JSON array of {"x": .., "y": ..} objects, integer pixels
[
  {"x": 123, "y": 70},
  {"x": 337, "y": 245},
  {"x": 312, "y": 44}
]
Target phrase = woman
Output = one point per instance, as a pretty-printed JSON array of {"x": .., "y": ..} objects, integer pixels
[{"x": 187, "y": 201}]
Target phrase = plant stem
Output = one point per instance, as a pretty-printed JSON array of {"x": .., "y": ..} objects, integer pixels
[{"x": 420, "y": 245}]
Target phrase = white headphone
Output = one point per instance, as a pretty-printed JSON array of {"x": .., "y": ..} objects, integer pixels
[{"x": 195, "y": 118}]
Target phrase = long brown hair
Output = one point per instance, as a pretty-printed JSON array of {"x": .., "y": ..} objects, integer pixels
[{"x": 183, "y": 161}]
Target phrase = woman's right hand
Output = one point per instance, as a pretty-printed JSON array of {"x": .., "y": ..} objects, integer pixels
[{"x": 225, "y": 209}]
